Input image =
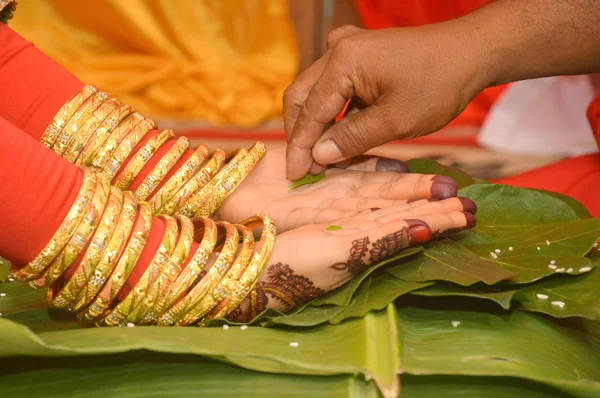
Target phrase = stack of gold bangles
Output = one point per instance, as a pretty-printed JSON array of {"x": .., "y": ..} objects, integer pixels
[
  {"x": 95, "y": 131},
  {"x": 107, "y": 230},
  {"x": 99, "y": 243}
]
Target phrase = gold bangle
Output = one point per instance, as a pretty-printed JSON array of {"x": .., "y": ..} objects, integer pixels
[
  {"x": 96, "y": 141},
  {"x": 81, "y": 116},
  {"x": 65, "y": 113},
  {"x": 80, "y": 139},
  {"x": 227, "y": 284},
  {"x": 177, "y": 180},
  {"x": 209, "y": 191},
  {"x": 131, "y": 140},
  {"x": 215, "y": 273},
  {"x": 231, "y": 181},
  {"x": 38, "y": 265},
  {"x": 199, "y": 180},
  {"x": 139, "y": 160},
  {"x": 259, "y": 260},
  {"x": 80, "y": 238},
  {"x": 113, "y": 141},
  {"x": 191, "y": 272},
  {"x": 135, "y": 245},
  {"x": 95, "y": 257},
  {"x": 162, "y": 168},
  {"x": 147, "y": 315},
  {"x": 128, "y": 309},
  {"x": 111, "y": 256}
]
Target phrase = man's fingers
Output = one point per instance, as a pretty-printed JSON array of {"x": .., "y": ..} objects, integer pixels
[{"x": 334, "y": 36}]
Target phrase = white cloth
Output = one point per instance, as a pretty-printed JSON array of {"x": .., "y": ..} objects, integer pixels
[{"x": 542, "y": 117}]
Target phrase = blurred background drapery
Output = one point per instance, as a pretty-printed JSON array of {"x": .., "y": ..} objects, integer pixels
[{"x": 224, "y": 62}]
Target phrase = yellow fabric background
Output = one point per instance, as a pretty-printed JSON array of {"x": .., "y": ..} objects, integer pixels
[{"x": 226, "y": 62}]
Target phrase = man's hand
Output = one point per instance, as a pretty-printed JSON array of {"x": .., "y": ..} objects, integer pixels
[{"x": 406, "y": 82}]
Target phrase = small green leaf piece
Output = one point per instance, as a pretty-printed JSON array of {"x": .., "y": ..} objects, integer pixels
[
  {"x": 333, "y": 228},
  {"x": 307, "y": 179}
]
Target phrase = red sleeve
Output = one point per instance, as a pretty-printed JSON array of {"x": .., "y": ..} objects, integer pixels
[
  {"x": 34, "y": 88},
  {"x": 37, "y": 189}
]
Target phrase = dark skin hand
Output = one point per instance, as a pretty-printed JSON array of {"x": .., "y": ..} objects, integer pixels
[{"x": 410, "y": 82}]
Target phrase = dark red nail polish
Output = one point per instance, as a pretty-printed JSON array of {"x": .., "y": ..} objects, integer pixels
[
  {"x": 443, "y": 190},
  {"x": 468, "y": 205},
  {"x": 418, "y": 231},
  {"x": 393, "y": 165},
  {"x": 445, "y": 179},
  {"x": 471, "y": 220}
]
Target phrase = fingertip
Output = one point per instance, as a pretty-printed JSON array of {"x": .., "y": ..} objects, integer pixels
[
  {"x": 443, "y": 190},
  {"x": 298, "y": 163},
  {"x": 392, "y": 165},
  {"x": 317, "y": 168},
  {"x": 419, "y": 231},
  {"x": 444, "y": 179},
  {"x": 468, "y": 205},
  {"x": 471, "y": 220}
]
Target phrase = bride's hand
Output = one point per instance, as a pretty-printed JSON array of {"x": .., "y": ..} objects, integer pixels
[
  {"x": 368, "y": 183},
  {"x": 310, "y": 261}
]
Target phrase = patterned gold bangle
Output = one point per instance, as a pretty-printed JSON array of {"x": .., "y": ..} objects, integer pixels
[
  {"x": 114, "y": 250},
  {"x": 65, "y": 113},
  {"x": 259, "y": 260},
  {"x": 99, "y": 137},
  {"x": 190, "y": 273},
  {"x": 162, "y": 168},
  {"x": 80, "y": 238},
  {"x": 72, "y": 127},
  {"x": 209, "y": 192},
  {"x": 38, "y": 265},
  {"x": 80, "y": 139},
  {"x": 215, "y": 273},
  {"x": 126, "y": 146},
  {"x": 135, "y": 245},
  {"x": 136, "y": 164},
  {"x": 199, "y": 180},
  {"x": 113, "y": 141},
  {"x": 146, "y": 314},
  {"x": 231, "y": 181},
  {"x": 178, "y": 180},
  {"x": 94, "y": 261},
  {"x": 128, "y": 309},
  {"x": 228, "y": 283}
]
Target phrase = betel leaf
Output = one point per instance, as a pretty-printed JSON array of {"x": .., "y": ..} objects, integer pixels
[
  {"x": 426, "y": 166},
  {"x": 307, "y": 179},
  {"x": 516, "y": 343},
  {"x": 4, "y": 270},
  {"x": 449, "y": 261},
  {"x": 500, "y": 296},
  {"x": 333, "y": 228}
]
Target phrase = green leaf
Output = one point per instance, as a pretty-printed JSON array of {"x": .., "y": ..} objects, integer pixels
[
  {"x": 442, "y": 289},
  {"x": 307, "y": 179},
  {"x": 449, "y": 261},
  {"x": 426, "y": 166},
  {"x": 333, "y": 228},
  {"x": 4, "y": 269}
]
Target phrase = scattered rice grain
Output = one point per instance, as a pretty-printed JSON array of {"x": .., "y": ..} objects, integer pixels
[
  {"x": 570, "y": 270},
  {"x": 585, "y": 269},
  {"x": 455, "y": 323},
  {"x": 493, "y": 255},
  {"x": 539, "y": 248},
  {"x": 552, "y": 261},
  {"x": 560, "y": 270},
  {"x": 510, "y": 248},
  {"x": 243, "y": 327},
  {"x": 542, "y": 296},
  {"x": 497, "y": 250},
  {"x": 130, "y": 325},
  {"x": 551, "y": 266},
  {"x": 558, "y": 304},
  {"x": 294, "y": 344},
  {"x": 11, "y": 279},
  {"x": 225, "y": 327},
  {"x": 2, "y": 294},
  {"x": 548, "y": 242}
]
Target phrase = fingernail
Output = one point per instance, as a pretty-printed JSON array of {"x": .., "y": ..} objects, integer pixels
[
  {"x": 419, "y": 231},
  {"x": 471, "y": 220},
  {"x": 468, "y": 205},
  {"x": 393, "y": 165},
  {"x": 443, "y": 190},
  {"x": 444, "y": 179},
  {"x": 327, "y": 152}
]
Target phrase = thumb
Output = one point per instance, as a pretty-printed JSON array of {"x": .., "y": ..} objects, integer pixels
[{"x": 354, "y": 135}]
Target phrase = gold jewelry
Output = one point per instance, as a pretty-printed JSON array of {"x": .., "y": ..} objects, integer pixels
[
  {"x": 227, "y": 284},
  {"x": 198, "y": 181},
  {"x": 162, "y": 168},
  {"x": 128, "y": 309},
  {"x": 131, "y": 140},
  {"x": 38, "y": 265},
  {"x": 191, "y": 272},
  {"x": 170, "y": 272},
  {"x": 112, "y": 143},
  {"x": 259, "y": 260},
  {"x": 136, "y": 164},
  {"x": 209, "y": 192},
  {"x": 215, "y": 273},
  {"x": 65, "y": 113},
  {"x": 111, "y": 256},
  {"x": 177, "y": 180},
  {"x": 73, "y": 125},
  {"x": 80, "y": 238},
  {"x": 87, "y": 129},
  {"x": 95, "y": 144},
  {"x": 135, "y": 245}
]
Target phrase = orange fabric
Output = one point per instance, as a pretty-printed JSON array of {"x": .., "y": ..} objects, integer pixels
[{"x": 381, "y": 14}]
